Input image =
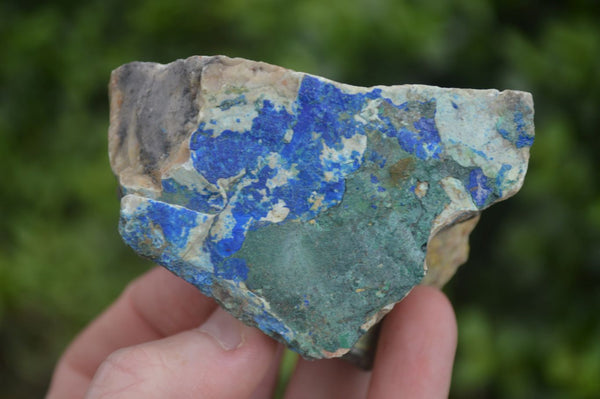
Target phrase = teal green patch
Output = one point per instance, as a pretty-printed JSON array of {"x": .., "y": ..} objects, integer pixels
[{"x": 353, "y": 259}]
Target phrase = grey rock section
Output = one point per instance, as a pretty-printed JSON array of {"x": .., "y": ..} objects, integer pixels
[{"x": 154, "y": 110}]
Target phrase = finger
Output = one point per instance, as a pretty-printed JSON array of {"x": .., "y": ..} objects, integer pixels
[
  {"x": 416, "y": 348},
  {"x": 266, "y": 387},
  {"x": 327, "y": 379},
  {"x": 155, "y": 305},
  {"x": 222, "y": 359}
]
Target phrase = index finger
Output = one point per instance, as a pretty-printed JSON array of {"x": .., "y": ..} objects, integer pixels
[
  {"x": 415, "y": 353},
  {"x": 153, "y": 306}
]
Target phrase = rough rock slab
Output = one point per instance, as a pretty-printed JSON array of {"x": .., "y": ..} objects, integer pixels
[{"x": 304, "y": 206}]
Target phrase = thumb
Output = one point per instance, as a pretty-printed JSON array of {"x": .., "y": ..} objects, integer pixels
[{"x": 223, "y": 358}]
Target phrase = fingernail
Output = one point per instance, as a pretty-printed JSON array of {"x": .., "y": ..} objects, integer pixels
[{"x": 225, "y": 329}]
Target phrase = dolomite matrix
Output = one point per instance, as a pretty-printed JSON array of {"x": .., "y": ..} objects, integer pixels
[{"x": 306, "y": 207}]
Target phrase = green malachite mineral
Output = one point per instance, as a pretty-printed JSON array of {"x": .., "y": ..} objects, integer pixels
[{"x": 306, "y": 207}]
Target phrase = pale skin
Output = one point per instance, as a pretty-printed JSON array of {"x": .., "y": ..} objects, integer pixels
[{"x": 163, "y": 339}]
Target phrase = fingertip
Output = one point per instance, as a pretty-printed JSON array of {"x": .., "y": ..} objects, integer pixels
[
  {"x": 427, "y": 305},
  {"x": 416, "y": 348},
  {"x": 327, "y": 378},
  {"x": 266, "y": 387}
]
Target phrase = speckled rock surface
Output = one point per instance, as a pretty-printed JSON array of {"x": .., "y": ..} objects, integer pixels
[{"x": 304, "y": 206}]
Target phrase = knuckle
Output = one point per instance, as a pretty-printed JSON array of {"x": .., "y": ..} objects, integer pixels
[
  {"x": 121, "y": 374},
  {"x": 127, "y": 360}
]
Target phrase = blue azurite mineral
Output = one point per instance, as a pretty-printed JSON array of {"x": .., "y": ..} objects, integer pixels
[{"x": 304, "y": 206}]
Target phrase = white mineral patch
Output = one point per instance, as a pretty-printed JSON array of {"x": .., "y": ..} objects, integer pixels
[
  {"x": 278, "y": 213},
  {"x": 344, "y": 156},
  {"x": 356, "y": 143},
  {"x": 131, "y": 203},
  {"x": 421, "y": 189},
  {"x": 282, "y": 177},
  {"x": 194, "y": 252},
  {"x": 273, "y": 160},
  {"x": 369, "y": 113},
  {"x": 225, "y": 184},
  {"x": 376, "y": 318},
  {"x": 223, "y": 224},
  {"x": 263, "y": 81},
  {"x": 468, "y": 131},
  {"x": 316, "y": 200},
  {"x": 186, "y": 175},
  {"x": 289, "y": 134},
  {"x": 135, "y": 204},
  {"x": 236, "y": 118},
  {"x": 329, "y": 154},
  {"x": 135, "y": 183},
  {"x": 460, "y": 203}
]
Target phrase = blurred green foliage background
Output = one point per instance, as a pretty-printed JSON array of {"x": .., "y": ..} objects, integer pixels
[{"x": 527, "y": 302}]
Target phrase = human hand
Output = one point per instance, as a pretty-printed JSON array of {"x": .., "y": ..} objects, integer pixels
[{"x": 148, "y": 345}]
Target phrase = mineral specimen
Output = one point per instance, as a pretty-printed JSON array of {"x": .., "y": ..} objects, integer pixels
[{"x": 306, "y": 207}]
